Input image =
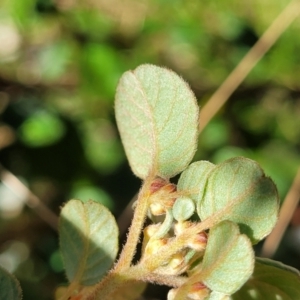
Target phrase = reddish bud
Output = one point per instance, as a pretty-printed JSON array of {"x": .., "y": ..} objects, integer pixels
[
  {"x": 198, "y": 291},
  {"x": 198, "y": 242},
  {"x": 157, "y": 184},
  {"x": 198, "y": 286},
  {"x": 162, "y": 196}
]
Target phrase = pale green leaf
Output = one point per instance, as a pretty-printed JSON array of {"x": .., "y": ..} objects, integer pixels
[
  {"x": 271, "y": 280},
  {"x": 228, "y": 260},
  {"x": 238, "y": 190},
  {"x": 183, "y": 208},
  {"x": 88, "y": 240},
  {"x": 166, "y": 225},
  {"x": 192, "y": 180},
  {"x": 131, "y": 291},
  {"x": 9, "y": 286},
  {"x": 217, "y": 296},
  {"x": 157, "y": 116}
]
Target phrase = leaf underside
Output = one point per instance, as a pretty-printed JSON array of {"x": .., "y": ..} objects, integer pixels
[
  {"x": 228, "y": 260},
  {"x": 88, "y": 241},
  {"x": 193, "y": 179},
  {"x": 157, "y": 116},
  {"x": 238, "y": 190}
]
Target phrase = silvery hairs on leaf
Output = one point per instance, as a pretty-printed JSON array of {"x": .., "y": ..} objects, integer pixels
[
  {"x": 157, "y": 116},
  {"x": 228, "y": 260},
  {"x": 238, "y": 190}
]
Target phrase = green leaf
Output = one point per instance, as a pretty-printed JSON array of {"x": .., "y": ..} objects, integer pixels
[
  {"x": 100, "y": 68},
  {"x": 217, "y": 296},
  {"x": 192, "y": 180},
  {"x": 228, "y": 260},
  {"x": 157, "y": 116},
  {"x": 238, "y": 190},
  {"x": 41, "y": 129},
  {"x": 183, "y": 208},
  {"x": 88, "y": 240},
  {"x": 9, "y": 286},
  {"x": 271, "y": 280}
]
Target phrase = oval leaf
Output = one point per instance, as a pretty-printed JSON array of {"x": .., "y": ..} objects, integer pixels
[
  {"x": 270, "y": 280},
  {"x": 193, "y": 180},
  {"x": 183, "y": 208},
  {"x": 238, "y": 190},
  {"x": 88, "y": 240},
  {"x": 228, "y": 260},
  {"x": 9, "y": 286},
  {"x": 157, "y": 116}
]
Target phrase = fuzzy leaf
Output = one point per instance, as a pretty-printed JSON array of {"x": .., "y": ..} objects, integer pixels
[
  {"x": 157, "y": 116},
  {"x": 217, "y": 296},
  {"x": 192, "y": 180},
  {"x": 88, "y": 240},
  {"x": 183, "y": 208},
  {"x": 9, "y": 286},
  {"x": 238, "y": 190},
  {"x": 271, "y": 280},
  {"x": 228, "y": 260}
]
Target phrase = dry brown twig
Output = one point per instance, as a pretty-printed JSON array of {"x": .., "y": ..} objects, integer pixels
[
  {"x": 31, "y": 200},
  {"x": 236, "y": 77},
  {"x": 289, "y": 205}
]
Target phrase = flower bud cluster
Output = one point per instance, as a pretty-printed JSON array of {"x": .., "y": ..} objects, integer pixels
[
  {"x": 181, "y": 261},
  {"x": 197, "y": 242},
  {"x": 162, "y": 196},
  {"x": 176, "y": 265}
]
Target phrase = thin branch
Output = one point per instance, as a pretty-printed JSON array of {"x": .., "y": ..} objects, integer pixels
[
  {"x": 289, "y": 205},
  {"x": 125, "y": 218},
  {"x": 267, "y": 40},
  {"x": 31, "y": 200},
  {"x": 136, "y": 227}
]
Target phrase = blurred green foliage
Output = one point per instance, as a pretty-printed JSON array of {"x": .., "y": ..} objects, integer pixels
[{"x": 60, "y": 61}]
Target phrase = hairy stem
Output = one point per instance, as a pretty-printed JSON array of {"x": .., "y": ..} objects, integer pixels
[
  {"x": 107, "y": 286},
  {"x": 135, "y": 228},
  {"x": 121, "y": 273},
  {"x": 115, "y": 280},
  {"x": 141, "y": 273}
]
